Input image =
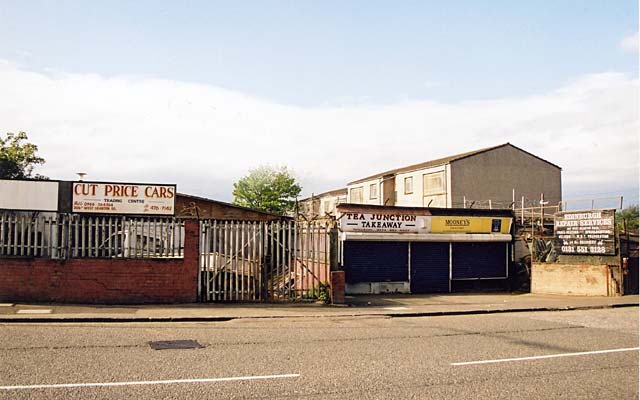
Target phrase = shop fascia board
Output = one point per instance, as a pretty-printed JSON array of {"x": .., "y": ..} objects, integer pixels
[{"x": 427, "y": 237}]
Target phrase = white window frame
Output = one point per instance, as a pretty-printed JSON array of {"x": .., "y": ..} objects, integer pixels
[
  {"x": 373, "y": 191},
  {"x": 408, "y": 188},
  {"x": 427, "y": 191},
  {"x": 352, "y": 195}
]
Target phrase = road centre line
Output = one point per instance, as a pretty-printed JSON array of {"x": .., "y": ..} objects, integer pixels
[
  {"x": 165, "y": 382},
  {"x": 584, "y": 353}
]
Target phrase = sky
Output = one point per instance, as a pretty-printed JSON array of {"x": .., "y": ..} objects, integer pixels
[{"x": 198, "y": 94}]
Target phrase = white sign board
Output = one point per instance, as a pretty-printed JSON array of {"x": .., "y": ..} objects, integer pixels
[
  {"x": 29, "y": 195},
  {"x": 123, "y": 198},
  {"x": 384, "y": 222}
]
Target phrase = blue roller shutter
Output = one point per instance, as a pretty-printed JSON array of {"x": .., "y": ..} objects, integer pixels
[
  {"x": 375, "y": 261},
  {"x": 479, "y": 260},
  {"x": 429, "y": 267}
]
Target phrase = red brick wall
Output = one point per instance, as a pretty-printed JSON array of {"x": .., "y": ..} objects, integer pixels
[
  {"x": 337, "y": 287},
  {"x": 104, "y": 281}
]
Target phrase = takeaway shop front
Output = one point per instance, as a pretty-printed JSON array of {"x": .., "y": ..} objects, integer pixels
[{"x": 423, "y": 250}]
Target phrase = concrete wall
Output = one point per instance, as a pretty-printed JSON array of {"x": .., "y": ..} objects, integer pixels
[
  {"x": 104, "y": 281},
  {"x": 493, "y": 175},
  {"x": 574, "y": 279}
]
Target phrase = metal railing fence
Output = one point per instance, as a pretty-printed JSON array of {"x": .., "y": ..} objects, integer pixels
[{"x": 63, "y": 236}]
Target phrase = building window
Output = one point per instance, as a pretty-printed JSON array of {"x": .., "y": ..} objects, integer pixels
[
  {"x": 329, "y": 206},
  {"x": 433, "y": 183},
  {"x": 408, "y": 185},
  {"x": 434, "y": 190},
  {"x": 356, "y": 195},
  {"x": 373, "y": 191}
]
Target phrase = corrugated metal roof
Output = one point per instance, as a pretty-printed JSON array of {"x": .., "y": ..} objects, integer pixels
[
  {"x": 189, "y": 196},
  {"x": 443, "y": 161}
]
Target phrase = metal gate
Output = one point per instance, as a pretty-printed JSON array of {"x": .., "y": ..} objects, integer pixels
[{"x": 263, "y": 261}]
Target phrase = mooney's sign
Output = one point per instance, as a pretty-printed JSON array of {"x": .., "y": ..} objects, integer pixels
[
  {"x": 442, "y": 224},
  {"x": 123, "y": 198}
]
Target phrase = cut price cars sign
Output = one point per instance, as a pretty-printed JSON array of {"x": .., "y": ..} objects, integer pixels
[
  {"x": 586, "y": 232},
  {"x": 123, "y": 198}
]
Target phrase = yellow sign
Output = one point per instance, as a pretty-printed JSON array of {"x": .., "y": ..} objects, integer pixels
[{"x": 441, "y": 224}]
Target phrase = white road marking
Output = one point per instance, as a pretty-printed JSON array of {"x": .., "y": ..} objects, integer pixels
[
  {"x": 584, "y": 353},
  {"x": 167, "y": 382},
  {"x": 396, "y": 308},
  {"x": 6, "y": 304},
  {"x": 39, "y": 311}
]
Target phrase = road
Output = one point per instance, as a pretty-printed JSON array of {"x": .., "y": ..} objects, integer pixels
[{"x": 330, "y": 358}]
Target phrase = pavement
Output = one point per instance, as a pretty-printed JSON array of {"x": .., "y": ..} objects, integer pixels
[{"x": 390, "y": 305}]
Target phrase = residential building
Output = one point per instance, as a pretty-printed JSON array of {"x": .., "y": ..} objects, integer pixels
[
  {"x": 322, "y": 205},
  {"x": 493, "y": 177}
]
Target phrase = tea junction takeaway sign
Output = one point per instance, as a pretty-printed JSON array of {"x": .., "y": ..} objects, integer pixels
[
  {"x": 123, "y": 198},
  {"x": 383, "y": 223},
  {"x": 586, "y": 232}
]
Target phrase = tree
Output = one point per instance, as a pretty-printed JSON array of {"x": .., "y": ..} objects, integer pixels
[
  {"x": 271, "y": 189},
  {"x": 18, "y": 159},
  {"x": 630, "y": 214}
]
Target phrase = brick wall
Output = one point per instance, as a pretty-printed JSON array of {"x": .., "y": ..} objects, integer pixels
[
  {"x": 337, "y": 287},
  {"x": 104, "y": 281}
]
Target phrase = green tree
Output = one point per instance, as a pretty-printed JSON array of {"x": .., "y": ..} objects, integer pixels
[
  {"x": 272, "y": 189},
  {"x": 17, "y": 159},
  {"x": 630, "y": 214}
]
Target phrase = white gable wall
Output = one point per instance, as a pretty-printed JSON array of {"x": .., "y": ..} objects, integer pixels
[{"x": 416, "y": 198}]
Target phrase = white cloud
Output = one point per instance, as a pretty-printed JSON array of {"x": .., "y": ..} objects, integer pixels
[
  {"x": 204, "y": 138},
  {"x": 630, "y": 43}
]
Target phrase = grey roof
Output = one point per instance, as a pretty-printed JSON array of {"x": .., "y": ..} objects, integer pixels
[{"x": 443, "y": 161}]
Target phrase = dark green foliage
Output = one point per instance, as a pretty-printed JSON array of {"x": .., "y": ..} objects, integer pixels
[
  {"x": 267, "y": 189},
  {"x": 629, "y": 214},
  {"x": 17, "y": 159}
]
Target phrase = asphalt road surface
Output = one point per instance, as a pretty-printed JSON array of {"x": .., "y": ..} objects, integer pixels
[{"x": 542, "y": 355}]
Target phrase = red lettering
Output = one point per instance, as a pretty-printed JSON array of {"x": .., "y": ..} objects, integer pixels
[
  {"x": 84, "y": 189},
  {"x": 159, "y": 192},
  {"x": 121, "y": 190}
]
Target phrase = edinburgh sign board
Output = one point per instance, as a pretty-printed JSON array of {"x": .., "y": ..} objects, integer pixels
[{"x": 586, "y": 232}]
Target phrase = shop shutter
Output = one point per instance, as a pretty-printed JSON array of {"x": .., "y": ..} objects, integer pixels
[
  {"x": 479, "y": 260},
  {"x": 375, "y": 261},
  {"x": 429, "y": 267}
]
